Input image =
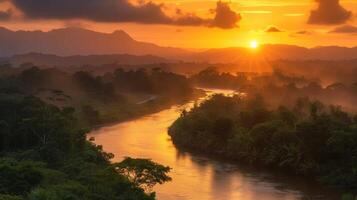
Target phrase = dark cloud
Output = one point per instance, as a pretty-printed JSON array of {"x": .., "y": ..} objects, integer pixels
[
  {"x": 329, "y": 12},
  {"x": 225, "y": 17},
  {"x": 345, "y": 29},
  {"x": 303, "y": 32},
  {"x": 96, "y": 10},
  {"x": 123, "y": 11},
  {"x": 5, "y": 15},
  {"x": 273, "y": 29}
]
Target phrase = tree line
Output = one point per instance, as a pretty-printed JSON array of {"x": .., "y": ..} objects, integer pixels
[
  {"x": 44, "y": 155},
  {"x": 100, "y": 99},
  {"x": 281, "y": 87},
  {"x": 308, "y": 138}
]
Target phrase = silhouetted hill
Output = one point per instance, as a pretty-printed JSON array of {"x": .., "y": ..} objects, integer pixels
[
  {"x": 53, "y": 60},
  {"x": 77, "y": 41},
  {"x": 274, "y": 52},
  {"x": 334, "y": 53}
]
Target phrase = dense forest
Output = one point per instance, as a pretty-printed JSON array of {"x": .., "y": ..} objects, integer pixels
[
  {"x": 178, "y": 100},
  {"x": 114, "y": 96},
  {"x": 45, "y": 155},
  {"x": 45, "y": 115},
  {"x": 279, "y": 120},
  {"x": 282, "y": 87},
  {"x": 309, "y": 138}
]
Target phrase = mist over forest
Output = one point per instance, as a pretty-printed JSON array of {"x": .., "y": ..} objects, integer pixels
[{"x": 88, "y": 112}]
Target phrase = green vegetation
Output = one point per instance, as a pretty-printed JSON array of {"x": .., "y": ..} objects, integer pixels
[
  {"x": 282, "y": 87},
  {"x": 308, "y": 138},
  {"x": 98, "y": 99},
  {"x": 212, "y": 78},
  {"x": 45, "y": 156}
]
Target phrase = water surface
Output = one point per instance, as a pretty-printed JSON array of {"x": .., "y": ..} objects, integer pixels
[{"x": 197, "y": 177}]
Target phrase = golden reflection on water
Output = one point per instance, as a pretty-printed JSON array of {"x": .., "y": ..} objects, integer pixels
[{"x": 194, "y": 177}]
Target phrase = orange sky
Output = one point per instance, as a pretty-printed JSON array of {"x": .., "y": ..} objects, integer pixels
[{"x": 290, "y": 16}]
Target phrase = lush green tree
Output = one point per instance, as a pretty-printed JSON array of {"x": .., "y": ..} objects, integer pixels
[
  {"x": 143, "y": 173},
  {"x": 222, "y": 128},
  {"x": 308, "y": 138},
  {"x": 18, "y": 178},
  {"x": 10, "y": 197},
  {"x": 49, "y": 158},
  {"x": 72, "y": 191},
  {"x": 95, "y": 87},
  {"x": 91, "y": 115}
]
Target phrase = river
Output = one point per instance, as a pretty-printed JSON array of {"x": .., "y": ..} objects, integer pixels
[{"x": 197, "y": 177}]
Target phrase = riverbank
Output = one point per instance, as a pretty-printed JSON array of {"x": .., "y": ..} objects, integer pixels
[
  {"x": 319, "y": 144},
  {"x": 281, "y": 174},
  {"x": 211, "y": 178},
  {"x": 147, "y": 107},
  {"x": 47, "y": 156}
]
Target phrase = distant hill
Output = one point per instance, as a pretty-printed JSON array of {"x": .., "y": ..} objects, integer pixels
[
  {"x": 274, "y": 52},
  {"x": 95, "y": 60},
  {"x": 78, "y": 41}
]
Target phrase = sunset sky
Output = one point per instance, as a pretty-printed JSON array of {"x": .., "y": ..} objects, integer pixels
[{"x": 195, "y": 23}]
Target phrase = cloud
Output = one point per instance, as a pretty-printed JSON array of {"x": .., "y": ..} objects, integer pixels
[
  {"x": 123, "y": 11},
  {"x": 74, "y": 24},
  {"x": 273, "y": 29},
  {"x": 5, "y": 15},
  {"x": 96, "y": 10},
  {"x": 345, "y": 29},
  {"x": 329, "y": 12},
  {"x": 303, "y": 32},
  {"x": 225, "y": 17}
]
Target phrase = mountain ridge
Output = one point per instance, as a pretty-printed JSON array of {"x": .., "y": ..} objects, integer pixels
[
  {"x": 49, "y": 60},
  {"x": 79, "y": 41}
]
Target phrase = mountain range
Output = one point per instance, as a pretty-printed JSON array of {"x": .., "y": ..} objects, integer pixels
[
  {"x": 48, "y": 60},
  {"x": 78, "y": 41},
  {"x": 273, "y": 52},
  {"x": 74, "y": 46}
]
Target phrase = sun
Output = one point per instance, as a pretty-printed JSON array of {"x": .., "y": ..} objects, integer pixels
[{"x": 253, "y": 44}]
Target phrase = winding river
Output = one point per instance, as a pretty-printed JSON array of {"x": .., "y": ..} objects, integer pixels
[{"x": 197, "y": 177}]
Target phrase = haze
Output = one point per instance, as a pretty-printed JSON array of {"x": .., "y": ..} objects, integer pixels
[
  {"x": 196, "y": 24},
  {"x": 178, "y": 100}
]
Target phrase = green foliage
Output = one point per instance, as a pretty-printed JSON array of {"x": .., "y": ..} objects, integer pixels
[
  {"x": 70, "y": 191},
  {"x": 17, "y": 178},
  {"x": 156, "y": 81},
  {"x": 46, "y": 157},
  {"x": 10, "y": 197},
  {"x": 99, "y": 99},
  {"x": 28, "y": 123},
  {"x": 212, "y": 78},
  {"x": 348, "y": 197},
  {"x": 143, "y": 173},
  {"x": 91, "y": 115},
  {"x": 309, "y": 138},
  {"x": 95, "y": 87}
]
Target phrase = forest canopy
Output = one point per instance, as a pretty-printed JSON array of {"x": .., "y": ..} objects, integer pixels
[
  {"x": 45, "y": 155},
  {"x": 310, "y": 138}
]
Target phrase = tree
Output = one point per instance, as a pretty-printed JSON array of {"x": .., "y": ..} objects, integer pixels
[
  {"x": 91, "y": 115},
  {"x": 18, "y": 178},
  {"x": 10, "y": 197},
  {"x": 222, "y": 128},
  {"x": 143, "y": 173}
]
